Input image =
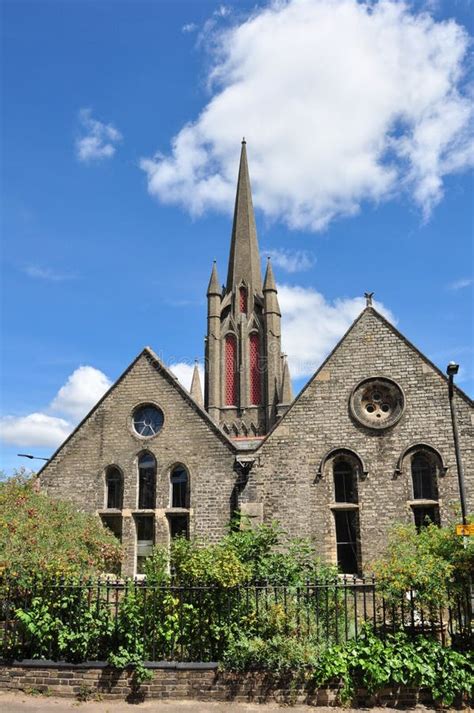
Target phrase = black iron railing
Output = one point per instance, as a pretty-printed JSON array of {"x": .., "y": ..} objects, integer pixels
[{"x": 86, "y": 620}]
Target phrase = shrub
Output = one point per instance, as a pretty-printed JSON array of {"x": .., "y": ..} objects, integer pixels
[
  {"x": 432, "y": 564},
  {"x": 369, "y": 662},
  {"x": 47, "y": 538}
]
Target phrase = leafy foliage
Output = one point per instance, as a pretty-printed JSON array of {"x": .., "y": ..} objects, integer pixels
[
  {"x": 433, "y": 565},
  {"x": 369, "y": 662},
  {"x": 42, "y": 536}
]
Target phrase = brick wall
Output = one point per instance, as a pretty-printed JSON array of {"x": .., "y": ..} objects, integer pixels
[
  {"x": 283, "y": 483},
  {"x": 107, "y": 437},
  {"x": 284, "y": 477},
  {"x": 182, "y": 681}
]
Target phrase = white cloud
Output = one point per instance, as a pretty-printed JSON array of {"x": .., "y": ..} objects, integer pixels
[
  {"x": 460, "y": 284},
  {"x": 342, "y": 102},
  {"x": 46, "y": 273},
  {"x": 36, "y": 430},
  {"x": 99, "y": 140},
  {"x": 189, "y": 27},
  {"x": 184, "y": 372},
  {"x": 80, "y": 393},
  {"x": 291, "y": 260},
  {"x": 312, "y": 326},
  {"x": 82, "y": 390}
]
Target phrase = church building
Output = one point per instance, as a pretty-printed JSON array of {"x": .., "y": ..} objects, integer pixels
[{"x": 367, "y": 443}]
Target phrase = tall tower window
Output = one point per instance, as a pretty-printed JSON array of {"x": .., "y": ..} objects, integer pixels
[
  {"x": 146, "y": 481},
  {"x": 243, "y": 300},
  {"x": 230, "y": 370},
  {"x": 255, "y": 375}
]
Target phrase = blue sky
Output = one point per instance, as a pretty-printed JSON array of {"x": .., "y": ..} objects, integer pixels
[{"x": 121, "y": 132}]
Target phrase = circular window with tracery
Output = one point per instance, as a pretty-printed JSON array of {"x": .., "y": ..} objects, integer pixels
[
  {"x": 147, "y": 420},
  {"x": 377, "y": 402}
]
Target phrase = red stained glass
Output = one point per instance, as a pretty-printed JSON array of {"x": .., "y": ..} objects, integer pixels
[
  {"x": 243, "y": 300},
  {"x": 255, "y": 375},
  {"x": 230, "y": 370}
]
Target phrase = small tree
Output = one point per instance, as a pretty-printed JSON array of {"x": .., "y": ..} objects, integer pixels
[
  {"x": 48, "y": 538},
  {"x": 432, "y": 564}
]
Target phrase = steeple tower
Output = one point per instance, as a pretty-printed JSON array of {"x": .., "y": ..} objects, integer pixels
[
  {"x": 244, "y": 367},
  {"x": 244, "y": 259}
]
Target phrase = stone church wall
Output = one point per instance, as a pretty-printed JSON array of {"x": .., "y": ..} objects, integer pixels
[
  {"x": 77, "y": 473},
  {"x": 284, "y": 478}
]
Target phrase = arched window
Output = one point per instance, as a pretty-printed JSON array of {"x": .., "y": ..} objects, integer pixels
[
  {"x": 243, "y": 300},
  {"x": 345, "y": 481},
  {"x": 255, "y": 375},
  {"x": 424, "y": 468},
  {"x": 146, "y": 481},
  {"x": 113, "y": 483},
  {"x": 423, "y": 473},
  {"x": 230, "y": 370},
  {"x": 346, "y": 468},
  {"x": 179, "y": 487}
]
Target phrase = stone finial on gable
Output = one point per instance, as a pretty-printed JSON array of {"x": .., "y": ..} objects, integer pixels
[
  {"x": 368, "y": 298},
  {"x": 196, "y": 390}
]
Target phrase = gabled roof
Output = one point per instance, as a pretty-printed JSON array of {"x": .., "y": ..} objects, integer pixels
[
  {"x": 150, "y": 355},
  {"x": 394, "y": 330}
]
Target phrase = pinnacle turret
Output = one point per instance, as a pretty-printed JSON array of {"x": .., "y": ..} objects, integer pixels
[
  {"x": 269, "y": 283},
  {"x": 286, "y": 387},
  {"x": 213, "y": 287},
  {"x": 244, "y": 260},
  {"x": 196, "y": 390}
]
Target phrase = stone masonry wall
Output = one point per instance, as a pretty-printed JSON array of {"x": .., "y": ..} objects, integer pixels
[
  {"x": 77, "y": 473},
  {"x": 182, "y": 681},
  {"x": 284, "y": 476}
]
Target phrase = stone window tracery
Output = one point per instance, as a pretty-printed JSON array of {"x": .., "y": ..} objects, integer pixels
[
  {"x": 147, "y": 420},
  {"x": 377, "y": 402}
]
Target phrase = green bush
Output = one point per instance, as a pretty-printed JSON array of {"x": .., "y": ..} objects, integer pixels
[
  {"x": 369, "y": 662},
  {"x": 432, "y": 564},
  {"x": 43, "y": 538}
]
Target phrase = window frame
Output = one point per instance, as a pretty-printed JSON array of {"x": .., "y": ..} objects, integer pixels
[
  {"x": 108, "y": 470},
  {"x": 187, "y": 489},
  {"x": 140, "y": 500}
]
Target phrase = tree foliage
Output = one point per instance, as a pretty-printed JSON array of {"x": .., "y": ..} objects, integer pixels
[
  {"x": 432, "y": 564},
  {"x": 48, "y": 538}
]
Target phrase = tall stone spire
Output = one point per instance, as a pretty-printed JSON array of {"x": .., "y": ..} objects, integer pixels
[
  {"x": 196, "y": 390},
  {"x": 244, "y": 260},
  {"x": 243, "y": 376}
]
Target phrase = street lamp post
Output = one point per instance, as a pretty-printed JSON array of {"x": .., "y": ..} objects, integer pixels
[{"x": 451, "y": 370}]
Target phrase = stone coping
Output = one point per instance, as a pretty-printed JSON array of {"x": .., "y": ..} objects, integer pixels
[{"x": 173, "y": 665}]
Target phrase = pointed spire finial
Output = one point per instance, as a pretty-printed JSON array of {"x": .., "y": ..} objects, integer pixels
[
  {"x": 269, "y": 282},
  {"x": 243, "y": 140},
  {"x": 244, "y": 260},
  {"x": 286, "y": 387},
  {"x": 213, "y": 287},
  {"x": 196, "y": 390},
  {"x": 368, "y": 298}
]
